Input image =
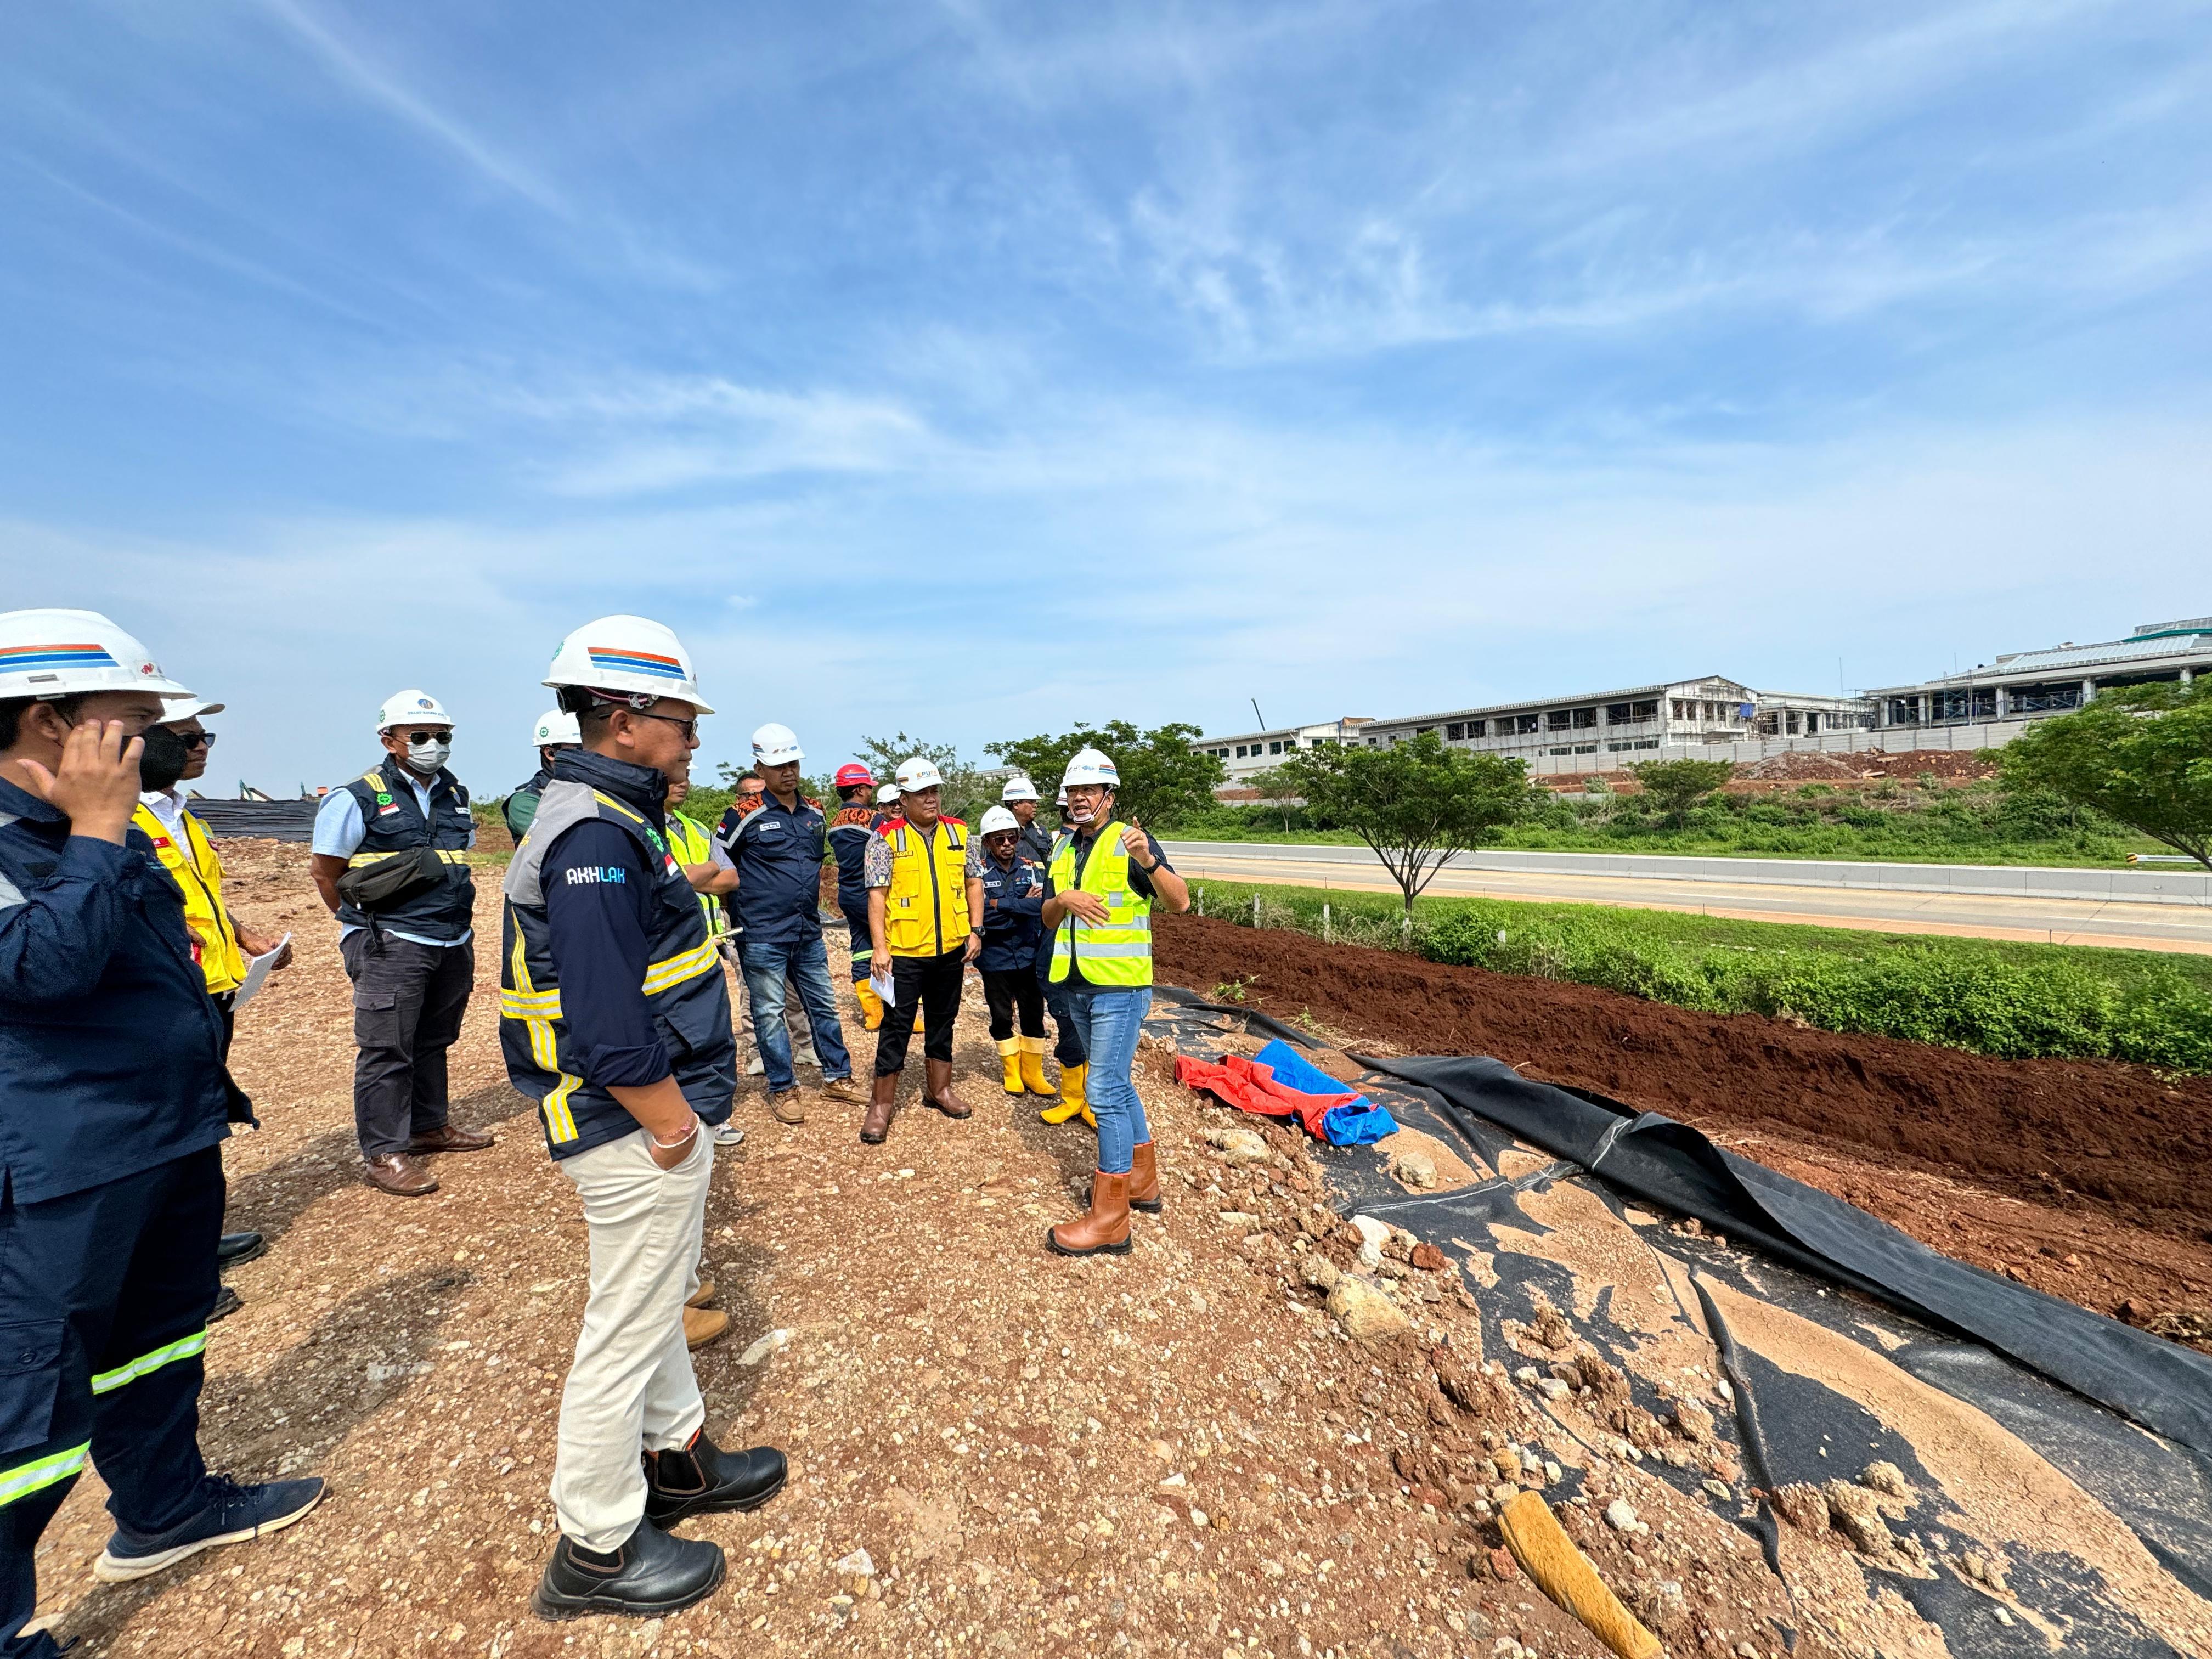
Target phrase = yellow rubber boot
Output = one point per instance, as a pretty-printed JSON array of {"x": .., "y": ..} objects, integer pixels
[
  {"x": 1032, "y": 1059},
  {"x": 1071, "y": 1096},
  {"x": 917, "y": 1022},
  {"x": 872, "y": 1005},
  {"x": 1010, "y": 1058}
]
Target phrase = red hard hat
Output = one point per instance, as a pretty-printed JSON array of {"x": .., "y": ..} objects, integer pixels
[{"x": 851, "y": 773}]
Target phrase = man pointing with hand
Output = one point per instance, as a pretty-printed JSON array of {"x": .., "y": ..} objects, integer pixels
[{"x": 1099, "y": 896}]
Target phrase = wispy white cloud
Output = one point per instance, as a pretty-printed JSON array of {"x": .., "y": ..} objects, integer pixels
[{"x": 371, "y": 78}]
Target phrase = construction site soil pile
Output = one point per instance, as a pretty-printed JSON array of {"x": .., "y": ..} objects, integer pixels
[{"x": 2080, "y": 1177}]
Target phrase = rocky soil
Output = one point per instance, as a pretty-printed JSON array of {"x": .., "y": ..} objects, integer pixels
[{"x": 993, "y": 1451}]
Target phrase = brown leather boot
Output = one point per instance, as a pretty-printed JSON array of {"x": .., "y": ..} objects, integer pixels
[
  {"x": 1101, "y": 1230},
  {"x": 878, "y": 1124},
  {"x": 447, "y": 1139},
  {"x": 401, "y": 1174},
  {"x": 938, "y": 1092},
  {"x": 1144, "y": 1179}
]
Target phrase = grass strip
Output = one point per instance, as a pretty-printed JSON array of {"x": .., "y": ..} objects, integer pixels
[{"x": 2016, "y": 1001}]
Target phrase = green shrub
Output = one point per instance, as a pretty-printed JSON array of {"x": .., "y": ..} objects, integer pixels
[{"x": 2013, "y": 1001}]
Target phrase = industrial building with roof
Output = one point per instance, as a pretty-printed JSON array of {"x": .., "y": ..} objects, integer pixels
[{"x": 1713, "y": 718}]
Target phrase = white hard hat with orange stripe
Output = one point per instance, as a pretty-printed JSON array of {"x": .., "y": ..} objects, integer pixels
[
  {"x": 630, "y": 657},
  {"x": 67, "y": 653}
]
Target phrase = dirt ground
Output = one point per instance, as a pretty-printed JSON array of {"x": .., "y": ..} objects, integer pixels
[
  {"x": 1175, "y": 1451},
  {"x": 2080, "y": 1177}
]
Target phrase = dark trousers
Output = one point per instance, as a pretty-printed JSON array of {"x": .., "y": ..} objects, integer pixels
[
  {"x": 407, "y": 1004},
  {"x": 862, "y": 943},
  {"x": 104, "y": 1295},
  {"x": 1069, "y": 1050},
  {"x": 1005, "y": 991},
  {"x": 932, "y": 985}
]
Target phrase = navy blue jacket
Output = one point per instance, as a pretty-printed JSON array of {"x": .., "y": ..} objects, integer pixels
[
  {"x": 1013, "y": 923},
  {"x": 850, "y": 833},
  {"x": 110, "y": 1048},
  {"x": 779, "y": 856}
]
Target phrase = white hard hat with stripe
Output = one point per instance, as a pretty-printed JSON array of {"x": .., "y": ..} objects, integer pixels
[
  {"x": 917, "y": 774},
  {"x": 1018, "y": 788},
  {"x": 1092, "y": 766},
  {"x": 630, "y": 656},
  {"x": 68, "y": 653},
  {"x": 996, "y": 818}
]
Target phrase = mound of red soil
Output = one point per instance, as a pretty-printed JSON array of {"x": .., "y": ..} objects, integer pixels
[{"x": 2083, "y": 1178}]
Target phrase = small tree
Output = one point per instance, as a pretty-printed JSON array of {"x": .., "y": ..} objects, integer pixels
[
  {"x": 1164, "y": 779},
  {"x": 2141, "y": 754},
  {"x": 1676, "y": 786},
  {"x": 1278, "y": 791},
  {"x": 1414, "y": 803}
]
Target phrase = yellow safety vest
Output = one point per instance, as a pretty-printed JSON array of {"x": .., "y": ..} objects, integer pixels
[
  {"x": 926, "y": 911},
  {"x": 688, "y": 845},
  {"x": 1116, "y": 954},
  {"x": 198, "y": 871}
]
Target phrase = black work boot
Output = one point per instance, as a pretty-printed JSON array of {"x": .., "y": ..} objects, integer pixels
[
  {"x": 649, "y": 1575},
  {"x": 700, "y": 1478}
]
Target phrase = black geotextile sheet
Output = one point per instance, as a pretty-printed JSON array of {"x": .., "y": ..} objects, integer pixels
[{"x": 1997, "y": 1345}]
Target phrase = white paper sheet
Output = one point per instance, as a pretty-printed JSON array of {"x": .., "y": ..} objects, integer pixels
[
  {"x": 257, "y": 974},
  {"x": 883, "y": 987}
]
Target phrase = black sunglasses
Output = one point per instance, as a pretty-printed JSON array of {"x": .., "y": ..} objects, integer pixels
[
  {"x": 689, "y": 728},
  {"x": 195, "y": 739}
]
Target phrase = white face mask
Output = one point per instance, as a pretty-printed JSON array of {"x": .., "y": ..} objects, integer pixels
[{"x": 426, "y": 755}]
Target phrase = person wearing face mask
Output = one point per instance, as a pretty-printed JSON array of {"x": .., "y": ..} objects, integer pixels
[
  {"x": 615, "y": 1017},
  {"x": 113, "y": 1106},
  {"x": 176, "y": 752},
  {"x": 408, "y": 946}
]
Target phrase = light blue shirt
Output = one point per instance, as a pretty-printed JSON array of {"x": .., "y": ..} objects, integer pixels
[{"x": 339, "y": 832}]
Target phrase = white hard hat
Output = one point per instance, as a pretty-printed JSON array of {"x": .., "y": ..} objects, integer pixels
[
  {"x": 556, "y": 725},
  {"x": 66, "y": 653},
  {"x": 917, "y": 774},
  {"x": 411, "y": 707},
  {"x": 887, "y": 795},
  {"x": 187, "y": 708},
  {"x": 775, "y": 745},
  {"x": 1019, "y": 789},
  {"x": 629, "y": 654},
  {"x": 1092, "y": 766},
  {"x": 1061, "y": 799},
  {"x": 996, "y": 818}
]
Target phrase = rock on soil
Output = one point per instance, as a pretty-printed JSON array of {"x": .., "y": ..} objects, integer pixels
[{"x": 2079, "y": 1178}]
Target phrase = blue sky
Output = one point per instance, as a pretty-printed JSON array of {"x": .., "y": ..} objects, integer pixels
[{"x": 975, "y": 369}]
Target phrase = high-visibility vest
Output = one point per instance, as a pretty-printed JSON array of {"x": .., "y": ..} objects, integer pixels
[
  {"x": 926, "y": 911},
  {"x": 193, "y": 865},
  {"x": 1115, "y": 954},
  {"x": 689, "y": 844},
  {"x": 392, "y": 822}
]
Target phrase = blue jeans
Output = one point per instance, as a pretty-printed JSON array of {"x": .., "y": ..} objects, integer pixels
[
  {"x": 808, "y": 964},
  {"x": 1109, "y": 1022}
]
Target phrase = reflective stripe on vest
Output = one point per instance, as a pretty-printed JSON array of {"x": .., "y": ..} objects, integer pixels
[
  {"x": 688, "y": 841},
  {"x": 1116, "y": 954},
  {"x": 197, "y": 872},
  {"x": 925, "y": 907}
]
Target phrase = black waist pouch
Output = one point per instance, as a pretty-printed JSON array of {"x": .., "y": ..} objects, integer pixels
[{"x": 392, "y": 880}]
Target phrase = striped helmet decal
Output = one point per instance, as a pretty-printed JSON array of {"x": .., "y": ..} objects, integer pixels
[
  {"x": 14, "y": 658},
  {"x": 634, "y": 662}
]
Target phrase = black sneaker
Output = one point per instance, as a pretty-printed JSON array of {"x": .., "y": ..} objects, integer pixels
[
  {"x": 226, "y": 1303},
  {"x": 233, "y": 1248},
  {"x": 231, "y": 1515},
  {"x": 651, "y": 1575},
  {"x": 702, "y": 1478}
]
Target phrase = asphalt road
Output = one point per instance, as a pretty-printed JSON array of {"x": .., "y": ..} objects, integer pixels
[{"x": 2139, "y": 926}]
